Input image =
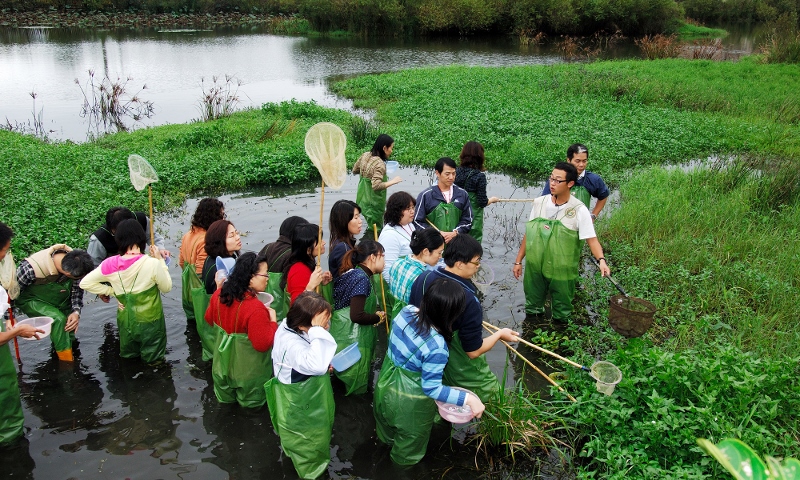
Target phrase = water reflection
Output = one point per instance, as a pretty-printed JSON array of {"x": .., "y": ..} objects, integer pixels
[
  {"x": 16, "y": 461},
  {"x": 148, "y": 393}
]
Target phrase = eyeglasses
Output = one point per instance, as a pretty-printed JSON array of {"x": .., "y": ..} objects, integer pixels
[
  {"x": 410, "y": 208},
  {"x": 555, "y": 180},
  {"x": 439, "y": 252},
  {"x": 265, "y": 275},
  {"x": 476, "y": 263}
]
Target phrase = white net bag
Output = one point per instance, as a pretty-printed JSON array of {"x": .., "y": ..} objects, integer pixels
[
  {"x": 142, "y": 173},
  {"x": 607, "y": 376},
  {"x": 325, "y": 146}
]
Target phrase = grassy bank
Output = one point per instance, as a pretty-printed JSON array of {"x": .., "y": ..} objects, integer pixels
[
  {"x": 713, "y": 247},
  {"x": 630, "y": 113},
  {"x": 60, "y": 192}
]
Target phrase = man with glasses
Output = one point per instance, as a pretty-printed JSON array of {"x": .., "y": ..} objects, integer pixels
[
  {"x": 445, "y": 205},
  {"x": 551, "y": 247},
  {"x": 467, "y": 366},
  {"x": 49, "y": 287}
]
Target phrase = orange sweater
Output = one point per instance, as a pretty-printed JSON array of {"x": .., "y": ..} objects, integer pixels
[{"x": 193, "y": 249}]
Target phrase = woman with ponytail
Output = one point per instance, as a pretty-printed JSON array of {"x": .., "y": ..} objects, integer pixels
[{"x": 354, "y": 304}]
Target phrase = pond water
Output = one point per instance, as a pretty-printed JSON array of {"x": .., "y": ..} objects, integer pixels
[
  {"x": 105, "y": 417},
  {"x": 273, "y": 68}
]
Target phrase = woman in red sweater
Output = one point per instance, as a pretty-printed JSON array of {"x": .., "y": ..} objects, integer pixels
[
  {"x": 245, "y": 330},
  {"x": 301, "y": 273}
]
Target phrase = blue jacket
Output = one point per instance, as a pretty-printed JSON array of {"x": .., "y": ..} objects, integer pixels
[{"x": 431, "y": 197}]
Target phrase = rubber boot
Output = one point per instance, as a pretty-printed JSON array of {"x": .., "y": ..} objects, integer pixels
[{"x": 65, "y": 355}]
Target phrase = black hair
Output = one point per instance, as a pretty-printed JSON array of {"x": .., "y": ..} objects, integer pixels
[
  {"x": 78, "y": 263},
  {"x": 6, "y": 234},
  {"x": 306, "y": 306},
  {"x": 305, "y": 236},
  {"x": 382, "y": 141},
  {"x": 238, "y": 281},
  {"x": 208, "y": 211},
  {"x": 472, "y": 156},
  {"x": 429, "y": 238},
  {"x": 341, "y": 213},
  {"x": 129, "y": 233},
  {"x": 439, "y": 167},
  {"x": 464, "y": 250},
  {"x": 216, "y": 238},
  {"x": 577, "y": 148},
  {"x": 395, "y": 206},
  {"x": 359, "y": 254},
  {"x": 287, "y": 227},
  {"x": 443, "y": 302},
  {"x": 115, "y": 216},
  {"x": 570, "y": 172}
]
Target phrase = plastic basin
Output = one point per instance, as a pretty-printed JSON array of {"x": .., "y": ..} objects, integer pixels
[
  {"x": 42, "y": 323},
  {"x": 453, "y": 413},
  {"x": 265, "y": 298},
  {"x": 391, "y": 167},
  {"x": 225, "y": 264},
  {"x": 346, "y": 358}
]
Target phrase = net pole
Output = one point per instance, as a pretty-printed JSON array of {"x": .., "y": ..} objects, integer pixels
[
  {"x": 319, "y": 237},
  {"x": 383, "y": 290},
  {"x": 152, "y": 222}
]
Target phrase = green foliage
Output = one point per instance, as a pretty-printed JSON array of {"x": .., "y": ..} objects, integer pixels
[
  {"x": 737, "y": 11},
  {"x": 648, "y": 427},
  {"x": 629, "y": 113},
  {"x": 744, "y": 464},
  {"x": 783, "y": 41},
  {"x": 60, "y": 192},
  {"x": 691, "y": 31}
]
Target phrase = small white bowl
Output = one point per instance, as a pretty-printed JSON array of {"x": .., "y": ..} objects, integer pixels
[
  {"x": 42, "y": 323},
  {"x": 265, "y": 298}
]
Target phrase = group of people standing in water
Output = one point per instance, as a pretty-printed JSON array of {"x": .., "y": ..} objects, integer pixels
[{"x": 415, "y": 279}]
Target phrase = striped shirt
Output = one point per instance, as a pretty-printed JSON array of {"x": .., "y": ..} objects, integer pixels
[
  {"x": 402, "y": 276},
  {"x": 427, "y": 355}
]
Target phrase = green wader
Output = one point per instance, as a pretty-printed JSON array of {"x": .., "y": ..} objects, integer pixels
[
  {"x": 239, "y": 370},
  {"x": 142, "y": 330},
  {"x": 580, "y": 192},
  {"x": 50, "y": 300},
  {"x": 397, "y": 306},
  {"x": 11, "y": 420},
  {"x": 552, "y": 256},
  {"x": 281, "y": 299},
  {"x": 190, "y": 280},
  {"x": 372, "y": 203},
  {"x": 302, "y": 415},
  {"x": 477, "y": 218},
  {"x": 445, "y": 216},
  {"x": 471, "y": 373},
  {"x": 404, "y": 415},
  {"x": 345, "y": 332},
  {"x": 208, "y": 337}
]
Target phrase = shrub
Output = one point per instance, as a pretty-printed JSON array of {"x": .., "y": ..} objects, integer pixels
[{"x": 659, "y": 46}]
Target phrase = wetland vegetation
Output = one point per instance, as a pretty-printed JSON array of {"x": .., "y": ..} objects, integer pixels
[{"x": 714, "y": 243}]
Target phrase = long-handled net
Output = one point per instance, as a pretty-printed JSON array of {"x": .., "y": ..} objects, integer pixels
[
  {"x": 606, "y": 374},
  {"x": 142, "y": 175},
  {"x": 483, "y": 278},
  {"x": 325, "y": 145}
]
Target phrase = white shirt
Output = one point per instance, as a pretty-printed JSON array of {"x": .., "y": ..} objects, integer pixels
[
  {"x": 307, "y": 353},
  {"x": 396, "y": 242},
  {"x": 573, "y": 214}
]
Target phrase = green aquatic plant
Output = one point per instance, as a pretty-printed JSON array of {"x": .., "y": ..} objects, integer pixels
[{"x": 744, "y": 464}]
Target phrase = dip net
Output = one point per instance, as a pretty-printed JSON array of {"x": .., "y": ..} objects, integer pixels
[
  {"x": 483, "y": 278},
  {"x": 606, "y": 375},
  {"x": 630, "y": 316},
  {"x": 142, "y": 173},
  {"x": 325, "y": 145}
]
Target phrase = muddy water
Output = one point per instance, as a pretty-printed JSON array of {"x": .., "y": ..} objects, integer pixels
[{"x": 105, "y": 417}]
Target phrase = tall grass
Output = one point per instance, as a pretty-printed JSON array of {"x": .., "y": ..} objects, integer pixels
[{"x": 717, "y": 249}]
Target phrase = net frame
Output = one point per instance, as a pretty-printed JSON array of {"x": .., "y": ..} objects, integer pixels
[{"x": 483, "y": 278}]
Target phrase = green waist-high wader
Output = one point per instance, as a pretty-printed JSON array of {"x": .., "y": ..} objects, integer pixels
[
  {"x": 372, "y": 203},
  {"x": 552, "y": 256},
  {"x": 141, "y": 325},
  {"x": 51, "y": 300},
  {"x": 302, "y": 415}
]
